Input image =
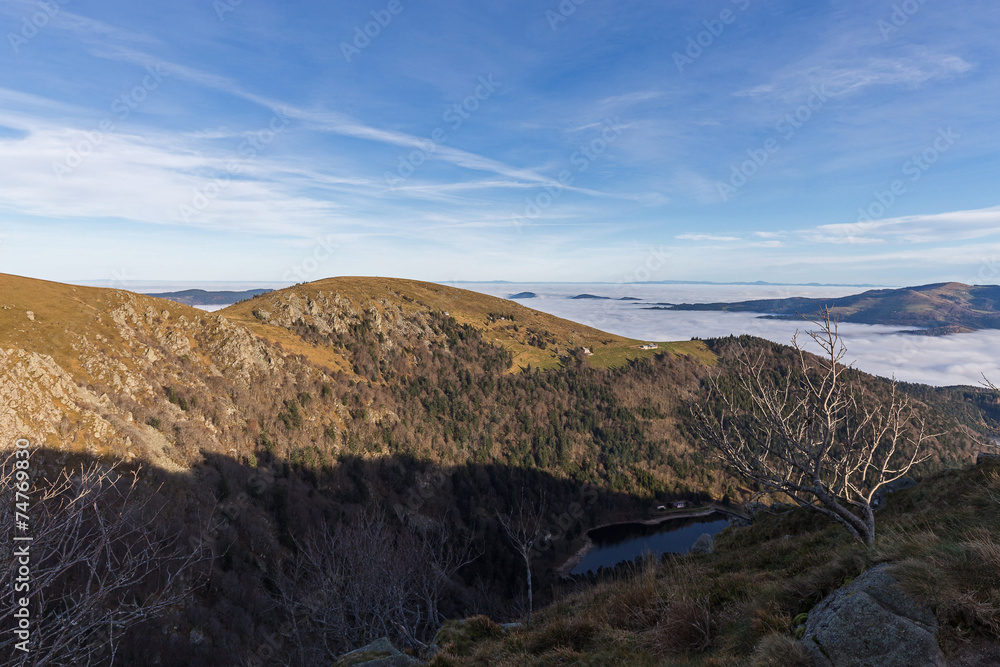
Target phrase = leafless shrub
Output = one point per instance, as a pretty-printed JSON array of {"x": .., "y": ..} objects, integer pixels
[
  {"x": 362, "y": 579},
  {"x": 98, "y": 565}
]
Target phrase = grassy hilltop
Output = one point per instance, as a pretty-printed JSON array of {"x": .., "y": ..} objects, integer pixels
[{"x": 533, "y": 338}]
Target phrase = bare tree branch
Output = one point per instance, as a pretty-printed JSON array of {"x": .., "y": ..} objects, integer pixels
[
  {"x": 523, "y": 527},
  {"x": 364, "y": 578},
  {"x": 98, "y": 568},
  {"x": 813, "y": 434}
]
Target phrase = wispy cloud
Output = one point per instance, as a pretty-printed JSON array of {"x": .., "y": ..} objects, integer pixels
[
  {"x": 930, "y": 228},
  {"x": 707, "y": 237}
]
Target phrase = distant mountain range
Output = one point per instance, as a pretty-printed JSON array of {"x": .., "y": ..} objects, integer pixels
[
  {"x": 941, "y": 308},
  {"x": 604, "y": 298},
  {"x": 200, "y": 297},
  {"x": 653, "y": 282}
]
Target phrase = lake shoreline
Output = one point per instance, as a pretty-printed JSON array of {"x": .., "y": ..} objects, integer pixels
[{"x": 564, "y": 570}]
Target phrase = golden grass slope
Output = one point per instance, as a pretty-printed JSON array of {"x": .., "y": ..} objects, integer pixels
[
  {"x": 49, "y": 318},
  {"x": 71, "y": 357},
  {"x": 69, "y": 353},
  {"x": 506, "y": 323}
]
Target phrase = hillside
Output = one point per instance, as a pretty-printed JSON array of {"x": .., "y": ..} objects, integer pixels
[
  {"x": 941, "y": 308},
  {"x": 533, "y": 338},
  {"x": 351, "y": 403},
  {"x": 745, "y": 603}
]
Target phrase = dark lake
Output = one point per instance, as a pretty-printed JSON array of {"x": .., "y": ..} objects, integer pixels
[{"x": 628, "y": 541}]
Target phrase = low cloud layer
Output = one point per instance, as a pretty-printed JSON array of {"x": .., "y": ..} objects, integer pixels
[{"x": 880, "y": 350}]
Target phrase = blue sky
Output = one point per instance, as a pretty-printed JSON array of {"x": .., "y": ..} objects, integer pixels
[{"x": 587, "y": 140}]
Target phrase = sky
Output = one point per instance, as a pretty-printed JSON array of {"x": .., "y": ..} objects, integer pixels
[{"x": 574, "y": 140}]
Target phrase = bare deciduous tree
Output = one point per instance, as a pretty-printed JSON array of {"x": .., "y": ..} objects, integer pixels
[
  {"x": 523, "y": 527},
  {"x": 815, "y": 433},
  {"x": 97, "y": 566},
  {"x": 365, "y": 578}
]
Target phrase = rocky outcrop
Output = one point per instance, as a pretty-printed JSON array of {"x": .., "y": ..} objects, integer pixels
[
  {"x": 985, "y": 457},
  {"x": 380, "y": 653},
  {"x": 703, "y": 545},
  {"x": 871, "y": 622},
  {"x": 900, "y": 484}
]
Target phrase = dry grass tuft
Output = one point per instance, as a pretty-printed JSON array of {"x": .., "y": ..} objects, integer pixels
[
  {"x": 778, "y": 650},
  {"x": 573, "y": 633},
  {"x": 635, "y": 603},
  {"x": 688, "y": 625}
]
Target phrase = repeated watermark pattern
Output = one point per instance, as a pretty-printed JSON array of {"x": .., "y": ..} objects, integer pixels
[
  {"x": 249, "y": 149},
  {"x": 558, "y": 525},
  {"x": 223, "y": 7},
  {"x": 705, "y": 39},
  {"x": 121, "y": 108},
  {"x": 562, "y": 12},
  {"x": 655, "y": 260},
  {"x": 900, "y": 16},
  {"x": 913, "y": 169},
  {"x": 33, "y": 24},
  {"x": 363, "y": 35},
  {"x": 455, "y": 116},
  {"x": 581, "y": 159},
  {"x": 305, "y": 269},
  {"x": 786, "y": 127}
]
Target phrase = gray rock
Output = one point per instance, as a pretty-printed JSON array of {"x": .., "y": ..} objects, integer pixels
[
  {"x": 380, "y": 653},
  {"x": 983, "y": 457},
  {"x": 703, "y": 545},
  {"x": 897, "y": 485},
  {"x": 871, "y": 622}
]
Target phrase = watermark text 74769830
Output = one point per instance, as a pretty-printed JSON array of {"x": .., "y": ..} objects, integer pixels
[{"x": 22, "y": 544}]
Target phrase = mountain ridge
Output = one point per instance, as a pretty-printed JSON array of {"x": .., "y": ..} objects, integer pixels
[{"x": 938, "y": 307}]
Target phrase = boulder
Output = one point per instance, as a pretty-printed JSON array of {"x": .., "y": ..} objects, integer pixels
[
  {"x": 871, "y": 622},
  {"x": 896, "y": 485},
  {"x": 703, "y": 545},
  {"x": 983, "y": 457},
  {"x": 380, "y": 653}
]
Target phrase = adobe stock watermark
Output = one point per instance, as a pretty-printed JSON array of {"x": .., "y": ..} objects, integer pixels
[
  {"x": 33, "y": 24},
  {"x": 563, "y": 11},
  {"x": 581, "y": 159},
  {"x": 560, "y": 524},
  {"x": 913, "y": 169},
  {"x": 429, "y": 486},
  {"x": 714, "y": 28},
  {"x": 786, "y": 127},
  {"x": 248, "y": 150},
  {"x": 455, "y": 116},
  {"x": 223, "y": 7},
  {"x": 120, "y": 279},
  {"x": 304, "y": 269},
  {"x": 989, "y": 270},
  {"x": 901, "y": 14},
  {"x": 363, "y": 36},
  {"x": 21, "y": 547},
  {"x": 121, "y": 108},
  {"x": 655, "y": 261}
]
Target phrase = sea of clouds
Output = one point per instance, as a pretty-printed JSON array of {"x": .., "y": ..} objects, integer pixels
[{"x": 880, "y": 350}]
